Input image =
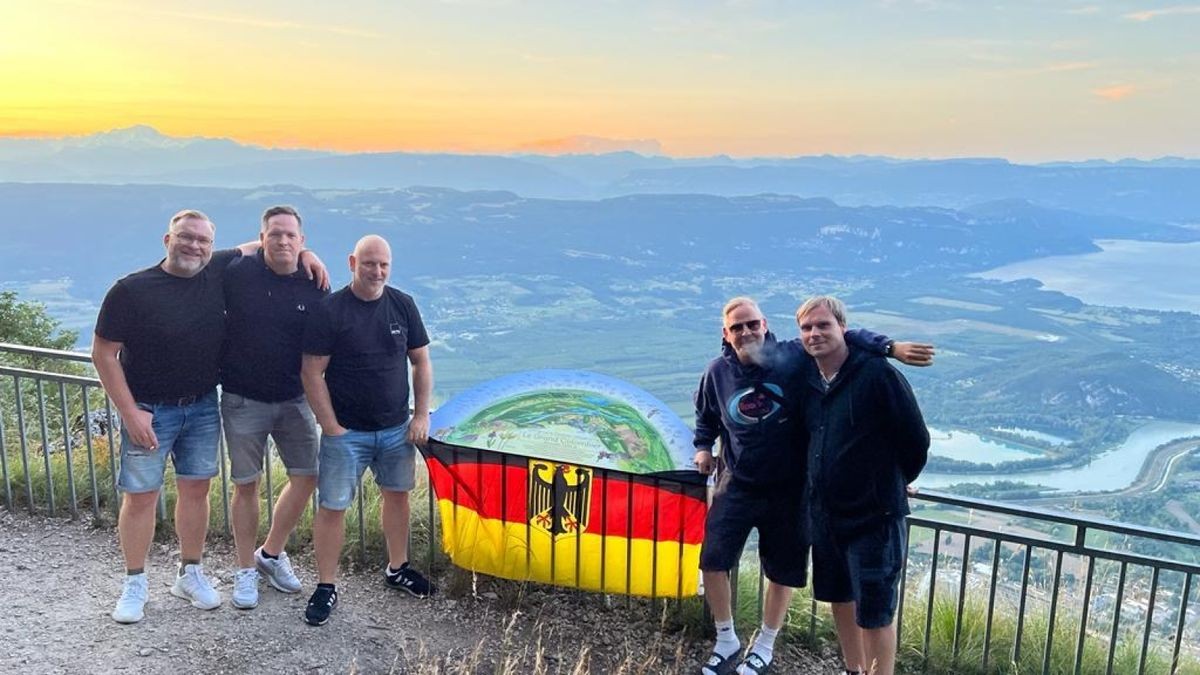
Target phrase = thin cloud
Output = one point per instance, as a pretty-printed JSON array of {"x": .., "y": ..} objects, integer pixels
[
  {"x": 1116, "y": 92},
  {"x": 1067, "y": 67},
  {"x": 228, "y": 19},
  {"x": 1149, "y": 14},
  {"x": 1087, "y": 9}
]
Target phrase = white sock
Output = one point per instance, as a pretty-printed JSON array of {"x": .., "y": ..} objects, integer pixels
[
  {"x": 764, "y": 646},
  {"x": 727, "y": 639}
]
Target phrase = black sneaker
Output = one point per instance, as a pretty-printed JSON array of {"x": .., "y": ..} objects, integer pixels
[
  {"x": 408, "y": 579},
  {"x": 320, "y": 605}
]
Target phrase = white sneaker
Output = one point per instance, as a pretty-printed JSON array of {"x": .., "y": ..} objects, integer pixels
[
  {"x": 278, "y": 571},
  {"x": 193, "y": 585},
  {"x": 245, "y": 588},
  {"x": 133, "y": 599}
]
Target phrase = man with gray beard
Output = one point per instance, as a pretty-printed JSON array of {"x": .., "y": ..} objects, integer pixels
[{"x": 748, "y": 398}]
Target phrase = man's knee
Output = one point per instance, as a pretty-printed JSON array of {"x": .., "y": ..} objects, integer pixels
[
  {"x": 246, "y": 490},
  {"x": 192, "y": 488},
  {"x": 139, "y": 501},
  {"x": 396, "y": 497}
]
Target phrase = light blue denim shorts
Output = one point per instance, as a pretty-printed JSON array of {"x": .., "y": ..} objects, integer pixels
[
  {"x": 344, "y": 458},
  {"x": 188, "y": 434}
]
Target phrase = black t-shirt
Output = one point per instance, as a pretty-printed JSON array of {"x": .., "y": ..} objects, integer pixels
[
  {"x": 264, "y": 329},
  {"x": 171, "y": 328},
  {"x": 368, "y": 344}
]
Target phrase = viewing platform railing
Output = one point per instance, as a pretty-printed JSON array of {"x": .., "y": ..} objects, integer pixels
[{"x": 986, "y": 584}]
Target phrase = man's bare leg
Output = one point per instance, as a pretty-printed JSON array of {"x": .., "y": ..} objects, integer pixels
[
  {"x": 244, "y": 514},
  {"x": 191, "y": 517},
  {"x": 718, "y": 593},
  {"x": 329, "y": 533},
  {"x": 395, "y": 514},
  {"x": 290, "y": 506},
  {"x": 850, "y": 636},
  {"x": 880, "y": 646},
  {"x": 135, "y": 527},
  {"x": 775, "y": 606}
]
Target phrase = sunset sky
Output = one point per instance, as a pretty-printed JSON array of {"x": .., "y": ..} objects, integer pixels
[{"x": 1031, "y": 80}]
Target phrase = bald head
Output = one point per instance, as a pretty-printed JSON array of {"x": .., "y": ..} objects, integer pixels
[
  {"x": 373, "y": 242},
  {"x": 370, "y": 266}
]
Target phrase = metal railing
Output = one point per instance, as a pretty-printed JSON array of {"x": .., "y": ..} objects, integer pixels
[
  {"x": 1013, "y": 569},
  {"x": 1021, "y": 565}
]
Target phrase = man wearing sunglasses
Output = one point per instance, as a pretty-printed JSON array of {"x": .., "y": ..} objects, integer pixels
[{"x": 748, "y": 398}]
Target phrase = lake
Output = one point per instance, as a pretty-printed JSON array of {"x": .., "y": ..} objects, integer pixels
[
  {"x": 1143, "y": 274},
  {"x": 970, "y": 447},
  {"x": 1113, "y": 470}
]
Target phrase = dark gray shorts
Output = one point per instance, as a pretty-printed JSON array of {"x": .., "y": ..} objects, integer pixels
[
  {"x": 247, "y": 424},
  {"x": 863, "y": 568}
]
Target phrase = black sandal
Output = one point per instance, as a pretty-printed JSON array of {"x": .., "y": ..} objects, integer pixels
[
  {"x": 756, "y": 664},
  {"x": 718, "y": 665}
]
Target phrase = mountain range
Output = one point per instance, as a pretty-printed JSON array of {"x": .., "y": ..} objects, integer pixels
[{"x": 1167, "y": 189}]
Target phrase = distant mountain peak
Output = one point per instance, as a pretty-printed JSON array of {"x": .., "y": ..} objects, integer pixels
[{"x": 137, "y": 136}]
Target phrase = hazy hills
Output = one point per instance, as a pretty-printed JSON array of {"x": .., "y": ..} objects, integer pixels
[
  {"x": 110, "y": 229},
  {"x": 1165, "y": 190}
]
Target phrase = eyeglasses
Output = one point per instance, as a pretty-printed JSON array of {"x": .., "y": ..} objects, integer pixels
[
  {"x": 187, "y": 238},
  {"x": 751, "y": 325}
]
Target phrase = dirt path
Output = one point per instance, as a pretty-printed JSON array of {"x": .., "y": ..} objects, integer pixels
[{"x": 59, "y": 580}]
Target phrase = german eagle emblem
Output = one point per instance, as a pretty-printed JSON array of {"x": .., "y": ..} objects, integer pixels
[{"x": 559, "y": 497}]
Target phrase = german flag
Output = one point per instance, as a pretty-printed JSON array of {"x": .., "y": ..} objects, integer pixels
[{"x": 585, "y": 527}]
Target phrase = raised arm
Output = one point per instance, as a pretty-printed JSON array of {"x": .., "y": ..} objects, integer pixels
[
  {"x": 909, "y": 353},
  {"x": 138, "y": 423},
  {"x": 422, "y": 379}
]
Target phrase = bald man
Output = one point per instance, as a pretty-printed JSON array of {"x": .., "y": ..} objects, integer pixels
[{"x": 358, "y": 345}]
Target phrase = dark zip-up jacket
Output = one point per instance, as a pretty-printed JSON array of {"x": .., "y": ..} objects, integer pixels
[
  {"x": 867, "y": 442},
  {"x": 756, "y": 410}
]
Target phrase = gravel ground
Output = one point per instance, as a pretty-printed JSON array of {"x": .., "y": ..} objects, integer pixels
[{"x": 60, "y": 580}]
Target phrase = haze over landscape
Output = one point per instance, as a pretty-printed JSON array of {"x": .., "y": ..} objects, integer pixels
[{"x": 583, "y": 188}]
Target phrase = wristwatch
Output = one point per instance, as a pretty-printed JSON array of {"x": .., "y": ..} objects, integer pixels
[{"x": 890, "y": 348}]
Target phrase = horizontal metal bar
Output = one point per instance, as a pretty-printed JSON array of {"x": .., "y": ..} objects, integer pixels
[
  {"x": 49, "y": 377},
  {"x": 1118, "y": 556},
  {"x": 43, "y": 352},
  {"x": 1037, "y": 513}
]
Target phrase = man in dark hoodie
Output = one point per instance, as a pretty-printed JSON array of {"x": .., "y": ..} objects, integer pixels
[
  {"x": 867, "y": 442},
  {"x": 747, "y": 398}
]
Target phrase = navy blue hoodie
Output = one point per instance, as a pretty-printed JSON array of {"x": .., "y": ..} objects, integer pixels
[
  {"x": 868, "y": 441},
  {"x": 756, "y": 410}
]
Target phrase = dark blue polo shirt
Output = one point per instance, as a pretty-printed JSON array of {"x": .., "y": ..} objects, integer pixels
[{"x": 264, "y": 332}]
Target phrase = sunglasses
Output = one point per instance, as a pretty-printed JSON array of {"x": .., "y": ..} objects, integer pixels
[{"x": 751, "y": 325}]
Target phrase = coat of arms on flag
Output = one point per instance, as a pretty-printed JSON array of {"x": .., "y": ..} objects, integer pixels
[{"x": 571, "y": 479}]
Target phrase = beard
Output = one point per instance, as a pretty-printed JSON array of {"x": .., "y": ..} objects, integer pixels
[{"x": 752, "y": 352}]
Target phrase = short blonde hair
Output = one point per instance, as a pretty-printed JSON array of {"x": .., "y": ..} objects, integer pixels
[
  {"x": 739, "y": 301},
  {"x": 190, "y": 213},
  {"x": 836, "y": 307}
]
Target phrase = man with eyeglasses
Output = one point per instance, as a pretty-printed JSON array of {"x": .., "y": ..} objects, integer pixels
[
  {"x": 157, "y": 349},
  {"x": 748, "y": 399}
]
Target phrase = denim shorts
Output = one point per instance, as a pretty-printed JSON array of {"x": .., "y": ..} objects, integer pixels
[
  {"x": 777, "y": 513},
  {"x": 344, "y": 458},
  {"x": 247, "y": 424},
  {"x": 863, "y": 568},
  {"x": 189, "y": 434}
]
